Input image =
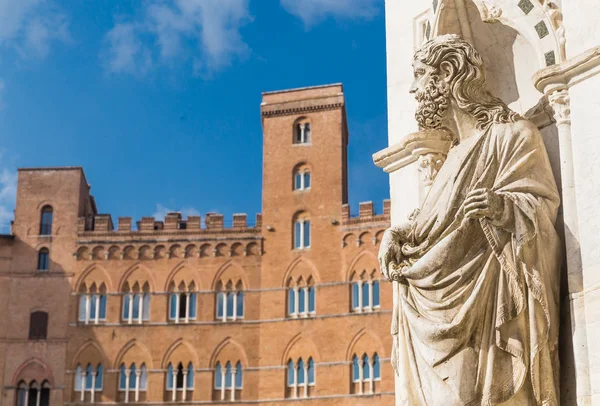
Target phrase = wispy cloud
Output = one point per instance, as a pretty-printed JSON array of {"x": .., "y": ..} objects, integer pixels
[
  {"x": 8, "y": 194},
  {"x": 205, "y": 32},
  {"x": 312, "y": 12},
  {"x": 161, "y": 212},
  {"x": 31, "y": 26}
]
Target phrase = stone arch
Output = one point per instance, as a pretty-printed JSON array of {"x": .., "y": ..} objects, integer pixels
[
  {"x": 349, "y": 239},
  {"x": 137, "y": 273},
  {"x": 231, "y": 271},
  {"x": 237, "y": 249},
  {"x": 252, "y": 249},
  {"x": 301, "y": 267},
  {"x": 300, "y": 346},
  {"x": 379, "y": 236},
  {"x": 175, "y": 251},
  {"x": 90, "y": 352},
  {"x": 182, "y": 273},
  {"x": 145, "y": 252},
  {"x": 179, "y": 351},
  {"x": 221, "y": 250},
  {"x": 229, "y": 349},
  {"x": 365, "y": 237},
  {"x": 83, "y": 253},
  {"x": 160, "y": 251},
  {"x": 364, "y": 260},
  {"x": 190, "y": 251},
  {"x": 364, "y": 341},
  {"x": 114, "y": 252},
  {"x": 134, "y": 351},
  {"x": 205, "y": 250},
  {"x": 129, "y": 252},
  {"x": 98, "y": 253},
  {"x": 94, "y": 274},
  {"x": 34, "y": 369}
]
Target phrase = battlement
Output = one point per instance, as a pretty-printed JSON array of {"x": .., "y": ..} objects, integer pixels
[
  {"x": 173, "y": 223},
  {"x": 366, "y": 215}
]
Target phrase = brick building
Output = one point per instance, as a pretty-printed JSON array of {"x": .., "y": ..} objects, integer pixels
[{"x": 183, "y": 310}]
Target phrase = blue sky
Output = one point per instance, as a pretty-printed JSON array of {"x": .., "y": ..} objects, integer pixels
[{"x": 159, "y": 100}]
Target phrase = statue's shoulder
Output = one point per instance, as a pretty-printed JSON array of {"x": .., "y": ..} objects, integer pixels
[{"x": 521, "y": 130}]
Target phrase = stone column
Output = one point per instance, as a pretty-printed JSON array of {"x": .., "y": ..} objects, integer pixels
[
  {"x": 187, "y": 307},
  {"x": 127, "y": 380},
  {"x": 177, "y": 307}
]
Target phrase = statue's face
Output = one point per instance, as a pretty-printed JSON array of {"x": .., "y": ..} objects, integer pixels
[{"x": 431, "y": 92}]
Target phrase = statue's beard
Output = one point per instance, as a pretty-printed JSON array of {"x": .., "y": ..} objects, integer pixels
[{"x": 433, "y": 105}]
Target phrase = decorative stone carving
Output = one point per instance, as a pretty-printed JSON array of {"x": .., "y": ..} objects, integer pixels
[
  {"x": 429, "y": 165},
  {"x": 560, "y": 102},
  {"x": 475, "y": 270}
]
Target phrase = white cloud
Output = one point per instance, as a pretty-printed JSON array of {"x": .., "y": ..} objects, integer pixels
[
  {"x": 30, "y": 26},
  {"x": 161, "y": 212},
  {"x": 126, "y": 53},
  {"x": 213, "y": 26},
  {"x": 8, "y": 194},
  {"x": 312, "y": 12}
]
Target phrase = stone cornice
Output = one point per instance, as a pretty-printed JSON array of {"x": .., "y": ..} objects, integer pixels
[
  {"x": 568, "y": 73},
  {"x": 301, "y": 109},
  {"x": 411, "y": 147}
]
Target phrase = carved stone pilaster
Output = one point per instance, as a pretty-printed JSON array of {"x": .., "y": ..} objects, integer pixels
[{"x": 560, "y": 102}]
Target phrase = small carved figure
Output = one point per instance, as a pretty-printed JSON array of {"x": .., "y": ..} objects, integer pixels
[{"x": 476, "y": 269}]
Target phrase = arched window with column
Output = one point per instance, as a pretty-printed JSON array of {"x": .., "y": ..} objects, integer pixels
[
  {"x": 92, "y": 304},
  {"x": 182, "y": 303},
  {"x": 228, "y": 381},
  {"x": 365, "y": 292},
  {"x": 366, "y": 372},
  {"x": 132, "y": 381},
  {"x": 229, "y": 301},
  {"x": 302, "y": 235},
  {"x": 301, "y": 297},
  {"x": 33, "y": 394},
  {"x": 300, "y": 378},
  {"x": 89, "y": 380},
  {"x": 180, "y": 381},
  {"x": 46, "y": 217},
  {"x": 302, "y": 177},
  {"x": 136, "y": 303},
  {"x": 302, "y": 131}
]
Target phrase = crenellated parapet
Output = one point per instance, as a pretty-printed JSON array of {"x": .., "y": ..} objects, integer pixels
[
  {"x": 173, "y": 237},
  {"x": 367, "y": 227}
]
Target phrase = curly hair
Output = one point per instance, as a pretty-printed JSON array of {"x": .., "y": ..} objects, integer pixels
[{"x": 467, "y": 79}]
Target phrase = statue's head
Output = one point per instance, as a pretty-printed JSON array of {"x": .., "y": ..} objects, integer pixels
[{"x": 448, "y": 69}]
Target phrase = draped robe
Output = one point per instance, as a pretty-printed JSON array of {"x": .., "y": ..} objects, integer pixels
[{"x": 476, "y": 318}]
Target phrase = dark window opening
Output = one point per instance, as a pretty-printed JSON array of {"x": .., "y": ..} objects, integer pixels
[
  {"x": 38, "y": 325},
  {"x": 46, "y": 221},
  {"x": 43, "y": 259}
]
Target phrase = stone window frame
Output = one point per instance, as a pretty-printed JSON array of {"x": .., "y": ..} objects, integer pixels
[
  {"x": 93, "y": 301},
  {"x": 228, "y": 295},
  {"x": 302, "y": 131}
]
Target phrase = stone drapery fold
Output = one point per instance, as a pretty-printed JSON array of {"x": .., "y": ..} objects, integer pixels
[{"x": 476, "y": 315}]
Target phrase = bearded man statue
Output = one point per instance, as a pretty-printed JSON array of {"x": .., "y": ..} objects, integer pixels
[{"x": 476, "y": 269}]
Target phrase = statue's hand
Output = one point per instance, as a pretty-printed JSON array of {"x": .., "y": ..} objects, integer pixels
[
  {"x": 483, "y": 203},
  {"x": 389, "y": 253}
]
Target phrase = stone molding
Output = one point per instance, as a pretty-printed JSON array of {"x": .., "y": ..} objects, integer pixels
[
  {"x": 412, "y": 147},
  {"x": 569, "y": 72}
]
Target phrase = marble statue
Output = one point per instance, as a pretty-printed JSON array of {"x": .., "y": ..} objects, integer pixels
[{"x": 476, "y": 267}]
